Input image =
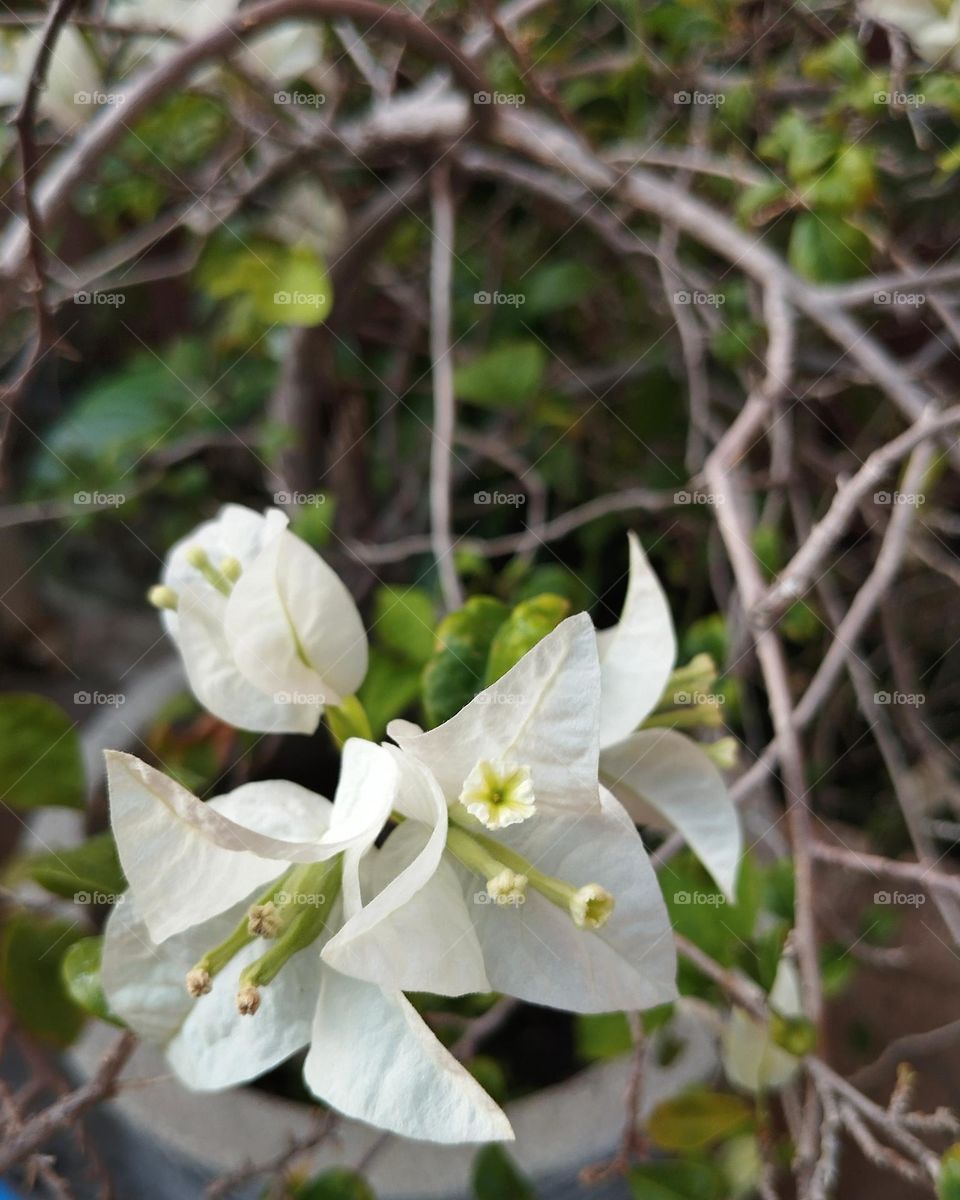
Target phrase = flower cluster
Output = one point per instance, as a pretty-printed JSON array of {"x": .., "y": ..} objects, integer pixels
[{"x": 271, "y": 919}]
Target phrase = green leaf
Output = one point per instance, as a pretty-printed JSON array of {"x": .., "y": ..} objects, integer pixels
[
  {"x": 849, "y": 184},
  {"x": 528, "y": 624},
  {"x": 839, "y": 58},
  {"x": 285, "y": 285},
  {"x": 676, "y": 1181},
  {"x": 339, "y": 1183},
  {"x": 554, "y": 286},
  {"x": 698, "y": 1119},
  {"x": 40, "y": 758},
  {"x": 31, "y": 958},
  {"x": 91, "y": 869},
  {"x": 948, "y": 1182},
  {"x": 456, "y": 671},
  {"x": 827, "y": 249},
  {"x": 389, "y": 688},
  {"x": 403, "y": 622},
  {"x": 602, "y": 1035},
  {"x": 505, "y": 377},
  {"x": 81, "y": 977},
  {"x": 495, "y": 1177}
]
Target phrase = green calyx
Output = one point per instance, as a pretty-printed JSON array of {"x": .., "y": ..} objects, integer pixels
[{"x": 348, "y": 720}]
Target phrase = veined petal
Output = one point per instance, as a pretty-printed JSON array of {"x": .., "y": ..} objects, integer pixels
[
  {"x": 535, "y": 952},
  {"x": 543, "y": 714},
  {"x": 637, "y": 654},
  {"x": 427, "y": 943},
  {"x": 663, "y": 778},
  {"x": 185, "y": 860},
  {"x": 216, "y": 1047},
  {"x": 217, "y": 682},
  {"x": 373, "y": 1058},
  {"x": 293, "y": 627},
  {"x": 235, "y": 532}
]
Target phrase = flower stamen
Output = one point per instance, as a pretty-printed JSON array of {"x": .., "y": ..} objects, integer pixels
[{"x": 498, "y": 793}]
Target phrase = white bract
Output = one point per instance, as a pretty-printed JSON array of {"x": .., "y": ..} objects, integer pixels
[
  {"x": 751, "y": 1058},
  {"x": 511, "y": 869},
  {"x": 662, "y": 777},
  {"x": 268, "y": 634},
  {"x": 215, "y": 952},
  {"x": 74, "y": 82}
]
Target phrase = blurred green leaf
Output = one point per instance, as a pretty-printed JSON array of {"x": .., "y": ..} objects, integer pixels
[
  {"x": 40, "y": 758},
  {"x": 948, "y": 1182},
  {"x": 602, "y": 1035},
  {"x": 698, "y": 1119},
  {"x": 507, "y": 376},
  {"x": 403, "y": 622},
  {"x": 526, "y": 625},
  {"x": 496, "y": 1177},
  {"x": 81, "y": 976},
  {"x": 389, "y": 688},
  {"x": 32, "y": 951},
  {"x": 827, "y": 249},
  {"x": 91, "y": 868},
  {"x": 339, "y": 1183},
  {"x": 286, "y": 285},
  {"x": 676, "y": 1181},
  {"x": 457, "y": 668}
]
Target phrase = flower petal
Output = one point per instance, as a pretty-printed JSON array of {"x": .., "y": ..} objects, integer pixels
[
  {"x": 293, "y": 627},
  {"x": 186, "y": 861},
  {"x": 235, "y": 532},
  {"x": 216, "y": 680},
  {"x": 373, "y": 1058},
  {"x": 535, "y": 952},
  {"x": 424, "y": 943},
  {"x": 216, "y": 1047},
  {"x": 662, "y": 777},
  {"x": 542, "y": 714},
  {"x": 637, "y": 654}
]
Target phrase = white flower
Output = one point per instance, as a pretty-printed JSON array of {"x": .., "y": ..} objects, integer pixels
[
  {"x": 661, "y": 776},
  {"x": 267, "y": 632},
  {"x": 752, "y": 1059},
  {"x": 559, "y": 904},
  {"x": 189, "y": 964},
  {"x": 932, "y": 26},
  {"x": 72, "y": 82}
]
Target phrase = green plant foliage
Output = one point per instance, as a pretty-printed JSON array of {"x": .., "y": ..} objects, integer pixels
[
  {"x": 403, "y": 622},
  {"x": 457, "y": 668},
  {"x": 508, "y": 376},
  {"x": 339, "y": 1183},
  {"x": 81, "y": 977},
  {"x": 827, "y": 249},
  {"x": 32, "y": 951},
  {"x": 91, "y": 868},
  {"x": 948, "y": 1182},
  {"x": 602, "y": 1035},
  {"x": 40, "y": 758},
  {"x": 495, "y": 1177},
  {"x": 676, "y": 1181},
  {"x": 527, "y": 624},
  {"x": 698, "y": 1119},
  {"x": 265, "y": 280}
]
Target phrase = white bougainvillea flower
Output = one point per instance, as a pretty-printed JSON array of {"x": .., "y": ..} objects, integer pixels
[
  {"x": 268, "y": 634},
  {"x": 933, "y": 27},
  {"x": 511, "y": 869},
  {"x": 752, "y": 1059},
  {"x": 215, "y": 952},
  {"x": 74, "y": 82},
  {"x": 662, "y": 777}
]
